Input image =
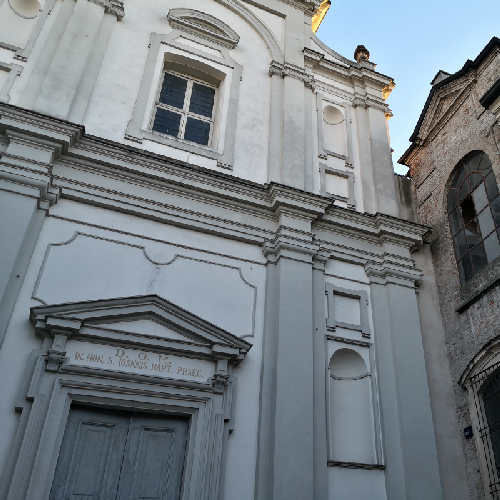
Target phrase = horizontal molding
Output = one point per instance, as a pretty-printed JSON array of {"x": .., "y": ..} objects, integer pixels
[
  {"x": 101, "y": 172},
  {"x": 355, "y": 465}
]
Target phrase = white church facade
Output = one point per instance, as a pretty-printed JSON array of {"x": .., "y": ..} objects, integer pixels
[{"x": 212, "y": 286}]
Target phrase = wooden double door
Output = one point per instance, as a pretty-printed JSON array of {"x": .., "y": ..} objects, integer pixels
[{"x": 115, "y": 455}]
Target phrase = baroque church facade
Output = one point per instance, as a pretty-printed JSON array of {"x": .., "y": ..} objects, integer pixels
[{"x": 212, "y": 284}]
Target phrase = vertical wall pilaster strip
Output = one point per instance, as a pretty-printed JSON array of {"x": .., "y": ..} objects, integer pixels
[
  {"x": 421, "y": 463},
  {"x": 70, "y": 59},
  {"x": 293, "y": 422},
  {"x": 366, "y": 166},
  {"x": 395, "y": 480},
  {"x": 265, "y": 442},
  {"x": 275, "y": 129},
  {"x": 46, "y": 57},
  {"x": 308, "y": 139},
  {"x": 320, "y": 387},
  {"x": 292, "y": 165},
  {"x": 448, "y": 435},
  {"x": 383, "y": 171},
  {"x": 30, "y": 230},
  {"x": 87, "y": 83},
  {"x": 408, "y": 431}
]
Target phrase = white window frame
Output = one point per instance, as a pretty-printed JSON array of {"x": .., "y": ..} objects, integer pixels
[{"x": 184, "y": 112}]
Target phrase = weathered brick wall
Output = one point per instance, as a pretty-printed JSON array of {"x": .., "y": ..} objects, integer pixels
[{"x": 431, "y": 168}]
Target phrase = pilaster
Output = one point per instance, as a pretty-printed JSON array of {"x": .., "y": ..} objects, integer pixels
[
  {"x": 71, "y": 58},
  {"x": 27, "y": 192},
  {"x": 319, "y": 378},
  {"x": 285, "y": 464},
  {"x": 412, "y": 471}
]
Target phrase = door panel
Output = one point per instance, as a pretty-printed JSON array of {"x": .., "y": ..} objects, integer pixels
[
  {"x": 154, "y": 459},
  {"x": 108, "y": 455},
  {"x": 91, "y": 455}
]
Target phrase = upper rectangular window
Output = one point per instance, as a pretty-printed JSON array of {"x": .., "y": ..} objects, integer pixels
[{"x": 184, "y": 108}]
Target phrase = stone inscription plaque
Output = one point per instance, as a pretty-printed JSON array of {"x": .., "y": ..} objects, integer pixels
[{"x": 106, "y": 357}]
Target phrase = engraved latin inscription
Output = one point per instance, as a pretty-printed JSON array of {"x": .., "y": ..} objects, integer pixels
[{"x": 142, "y": 362}]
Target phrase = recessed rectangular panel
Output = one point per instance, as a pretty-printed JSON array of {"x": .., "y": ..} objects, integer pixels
[
  {"x": 155, "y": 463},
  {"x": 336, "y": 185},
  {"x": 347, "y": 310},
  {"x": 90, "y": 456},
  {"x": 154, "y": 459}
]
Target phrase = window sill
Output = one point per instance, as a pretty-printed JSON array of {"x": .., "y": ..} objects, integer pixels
[
  {"x": 355, "y": 465},
  {"x": 484, "y": 281},
  {"x": 192, "y": 147}
]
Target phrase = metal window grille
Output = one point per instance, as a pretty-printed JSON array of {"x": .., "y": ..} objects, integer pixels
[
  {"x": 184, "y": 108},
  {"x": 486, "y": 388},
  {"x": 474, "y": 215}
]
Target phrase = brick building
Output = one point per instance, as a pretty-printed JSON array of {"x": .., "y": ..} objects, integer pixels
[{"x": 454, "y": 161}]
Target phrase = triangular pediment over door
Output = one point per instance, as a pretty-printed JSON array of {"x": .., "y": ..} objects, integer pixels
[{"x": 145, "y": 322}]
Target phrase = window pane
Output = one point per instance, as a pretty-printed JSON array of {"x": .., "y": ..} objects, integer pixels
[
  {"x": 464, "y": 189},
  {"x": 485, "y": 165},
  {"x": 475, "y": 179},
  {"x": 473, "y": 233},
  {"x": 202, "y": 100},
  {"x": 459, "y": 177},
  {"x": 468, "y": 210},
  {"x": 465, "y": 269},
  {"x": 460, "y": 245},
  {"x": 455, "y": 221},
  {"x": 486, "y": 222},
  {"x": 167, "y": 122},
  {"x": 197, "y": 131},
  {"x": 495, "y": 208},
  {"x": 491, "y": 398},
  {"x": 452, "y": 199},
  {"x": 479, "y": 259},
  {"x": 173, "y": 91},
  {"x": 492, "y": 246},
  {"x": 480, "y": 198},
  {"x": 491, "y": 186},
  {"x": 473, "y": 163}
]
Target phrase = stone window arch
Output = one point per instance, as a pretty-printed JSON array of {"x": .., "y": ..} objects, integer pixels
[{"x": 473, "y": 208}]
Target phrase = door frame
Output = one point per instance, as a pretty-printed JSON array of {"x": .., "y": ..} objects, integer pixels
[{"x": 56, "y": 384}]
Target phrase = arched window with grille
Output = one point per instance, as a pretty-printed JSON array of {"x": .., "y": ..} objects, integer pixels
[{"x": 474, "y": 215}]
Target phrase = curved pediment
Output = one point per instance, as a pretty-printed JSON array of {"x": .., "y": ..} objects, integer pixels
[{"x": 203, "y": 26}]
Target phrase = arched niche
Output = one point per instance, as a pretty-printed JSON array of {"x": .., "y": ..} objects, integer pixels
[
  {"x": 334, "y": 130},
  {"x": 351, "y": 411},
  {"x": 28, "y": 9}
]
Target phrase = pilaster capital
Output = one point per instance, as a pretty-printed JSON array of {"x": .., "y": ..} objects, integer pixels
[
  {"x": 385, "y": 273},
  {"x": 293, "y": 71},
  {"x": 112, "y": 7},
  {"x": 320, "y": 260},
  {"x": 307, "y": 6}
]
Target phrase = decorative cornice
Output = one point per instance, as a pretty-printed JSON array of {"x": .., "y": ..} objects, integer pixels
[
  {"x": 307, "y": 6},
  {"x": 126, "y": 179},
  {"x": 112, "y": 7},
  {"x": 347, "y": 68},
  {"x": 365, "y": 101},
  {"x": 293, "y": 71},
  {"x": 389, "y": 273}
]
